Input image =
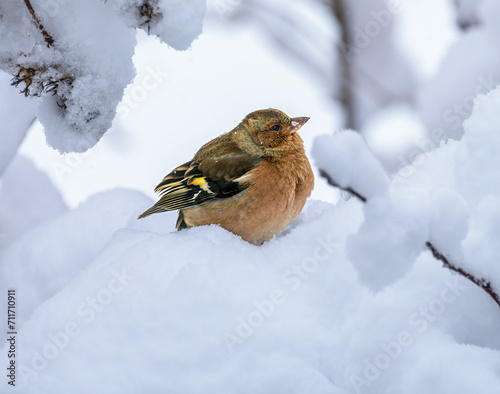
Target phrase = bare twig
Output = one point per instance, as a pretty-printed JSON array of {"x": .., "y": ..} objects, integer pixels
[
  {"x": 466, "y": 21},
  {"x": 482, "y": 283},
  {"x": 149, "y": 13},
  {"x": 46, "y": 36},
  {"x": 36, "y": 82},
  {"x": 331, "y": 182}
]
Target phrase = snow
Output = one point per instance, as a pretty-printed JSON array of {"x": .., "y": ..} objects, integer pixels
[
  {"x": 365, "y": 175},
  {"x": 114, "y": 284},
  {"x": 479, "y": 152},
  {"x": 37, "y": 264},
  {"x": 175, "y": 22},
  {"x": 89, "y": 65},
  {"x": 484, "y": 228},
  {"x": 443, "y": 103},
  {"x": 389, "y": 240},
  {"x": 346, "y": 300},
  {"x": 181, "y": 23},
  {"x": 289, "y": 316},
  {"x": 20, "y": 210},
  {"x": 397, "y": 225},
  {"x": 448, "y": 224},
  {"x": 16, "y": 114},
  {"x": 82, "y": 75}
]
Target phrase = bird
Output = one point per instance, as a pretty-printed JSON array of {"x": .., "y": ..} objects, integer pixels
[{"x": 253, "y": 180}]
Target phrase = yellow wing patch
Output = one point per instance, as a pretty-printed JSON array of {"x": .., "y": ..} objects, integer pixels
[
  {"x": 201, "y": 181},
  {"x": 187, "y": 185}
]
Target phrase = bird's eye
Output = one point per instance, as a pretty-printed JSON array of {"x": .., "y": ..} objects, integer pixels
[{"x": 276, "y": 128}]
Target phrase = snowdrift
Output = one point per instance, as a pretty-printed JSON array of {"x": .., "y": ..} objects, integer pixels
[{"x": 346, "y": 300}]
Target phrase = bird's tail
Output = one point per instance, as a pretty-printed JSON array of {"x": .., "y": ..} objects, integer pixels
[
  {"x": 181, "y": 223},
  {"x": 150, "y": 211}
]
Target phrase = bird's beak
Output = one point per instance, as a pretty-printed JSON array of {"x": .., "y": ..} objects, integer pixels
[{"x": 297, "y": 123}]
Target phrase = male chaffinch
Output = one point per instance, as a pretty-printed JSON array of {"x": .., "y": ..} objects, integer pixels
[{"x": 252, "y": 181}]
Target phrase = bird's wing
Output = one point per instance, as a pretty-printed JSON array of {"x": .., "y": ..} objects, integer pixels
[{"x": 193, "y": 183}]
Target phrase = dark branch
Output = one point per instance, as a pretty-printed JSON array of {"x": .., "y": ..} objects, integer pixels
[
  {"x": 466, "y": 22},
  {"x": 331, "y": 182},
  {"x": 46, "y": 36},
  {"x": 483, "y": 284},
  {"x": 339, "y": 10},
  {"x": 486, "y": 286},
  {"x": 149, "y": 13}
]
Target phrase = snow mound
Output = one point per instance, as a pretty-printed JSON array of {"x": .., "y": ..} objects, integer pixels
[
  {"x": 42, "y": 261},
  {"x": 16, "y": 115},
  {"x": 111, "y": 304},
  {"x": 203, "y": 311},
  {"x": 389, "y": 240},
  {"x": 346, "y": 158},
  {"x": 18, "y": 212}
]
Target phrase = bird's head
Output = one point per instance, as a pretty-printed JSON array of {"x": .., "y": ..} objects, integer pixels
[{"x": 273, "y": 131}]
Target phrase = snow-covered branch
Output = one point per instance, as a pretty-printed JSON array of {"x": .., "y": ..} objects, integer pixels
[
  {"x": 347, "y": 189},
  {"x": 483, "y": 284},
  {"x": 332, "y": 154},
  {"x": 46, "y": 36},
  {"x": 76, "y": 57}
]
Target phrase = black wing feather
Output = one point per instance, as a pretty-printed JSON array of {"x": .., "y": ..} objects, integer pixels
[{"x": 187, "y": 186}]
